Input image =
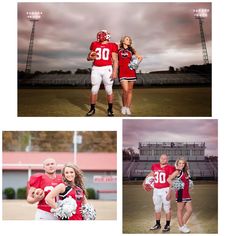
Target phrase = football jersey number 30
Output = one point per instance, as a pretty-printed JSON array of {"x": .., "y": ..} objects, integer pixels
[
  {"x": 102, "y": 53},
  {"x": 160, "y": 177}
]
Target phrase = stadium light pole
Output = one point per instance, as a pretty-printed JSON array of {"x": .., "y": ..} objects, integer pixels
[
  {"x": 29, "y": 146},
  {"x": 77, "y": 139},
  {"x": 33, "y": 16},
  {"x": 200, "y": 14}
]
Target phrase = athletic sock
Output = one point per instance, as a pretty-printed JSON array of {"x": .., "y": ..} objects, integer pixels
[
  {"x": 110, "y": 106},
  {"x": 168, "y": 222},
  {"x": 157, "y": 222},
  {"x": 92, "y": 107}
]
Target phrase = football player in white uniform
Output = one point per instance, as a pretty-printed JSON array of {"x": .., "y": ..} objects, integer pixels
[
  {"x": 103, "y": 53},
  {"x": 159, "y": 174}
]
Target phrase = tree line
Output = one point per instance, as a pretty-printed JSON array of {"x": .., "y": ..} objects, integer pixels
[
  {"x": 58, "y": 141},
  {"x": 205, "y": 69}
]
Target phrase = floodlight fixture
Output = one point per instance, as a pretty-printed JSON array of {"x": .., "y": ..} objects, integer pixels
[
  {"x": 201, "y": 14},
  {"x": 33, "y": 16}
]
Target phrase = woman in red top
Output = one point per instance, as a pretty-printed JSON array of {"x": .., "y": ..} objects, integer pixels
[
  {"x": 72, "y": 186},
  {"x": 183, "y": 198},
  {"x": 127, "y": 76}
]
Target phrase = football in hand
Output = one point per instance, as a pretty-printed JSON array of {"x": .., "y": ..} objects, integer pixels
[
  {"x": 93, "y": 55},
  {"x": 39, "y": 193}
]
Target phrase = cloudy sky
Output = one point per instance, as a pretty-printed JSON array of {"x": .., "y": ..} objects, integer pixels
[
  {"x": 166, "y": 34},
  {"x": 135, "y": 131}
]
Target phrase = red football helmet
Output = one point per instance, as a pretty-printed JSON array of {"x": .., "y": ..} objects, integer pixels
[
  {"x": 149, "y": 183},
  {"x": 103, "y": 35}
]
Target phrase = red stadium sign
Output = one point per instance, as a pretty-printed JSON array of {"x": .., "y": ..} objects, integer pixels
[{"x": 104, "y": 179}]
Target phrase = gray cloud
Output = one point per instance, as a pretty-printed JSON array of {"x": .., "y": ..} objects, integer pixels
[
  {"x": 135, "y": 131},
  {"x": 164, "y": 33}
]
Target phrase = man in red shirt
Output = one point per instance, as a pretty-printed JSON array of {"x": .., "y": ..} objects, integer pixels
[
  {"x": 39, "y": 185},
  {"x": 161, "y": 172},
  {"x": 103, "y": 53}
]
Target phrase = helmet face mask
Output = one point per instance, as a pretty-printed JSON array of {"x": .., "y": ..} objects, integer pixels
[{"x": 103, "y": 35}]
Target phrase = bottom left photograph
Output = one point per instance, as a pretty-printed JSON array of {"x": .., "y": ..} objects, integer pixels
[{"x": 59, "y": 175}]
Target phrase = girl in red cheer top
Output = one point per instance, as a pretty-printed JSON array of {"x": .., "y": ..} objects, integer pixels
[
  {"x": 73, "y": 187},
  {"x": 183, "y": 198},
  {"x": 127, "y": 76}
]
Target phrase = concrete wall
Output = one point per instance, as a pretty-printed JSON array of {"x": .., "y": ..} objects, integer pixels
[
  {"x": 18, "y": 179},
  {"x": 14, "y": 179}
]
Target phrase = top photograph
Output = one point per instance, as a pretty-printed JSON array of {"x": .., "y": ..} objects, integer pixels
[{"x": 114, "y": 59}]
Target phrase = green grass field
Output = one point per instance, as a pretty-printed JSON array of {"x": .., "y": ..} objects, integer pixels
[
  {"x": 138, "y": 210},
  {"x": 157, "y": 102}
]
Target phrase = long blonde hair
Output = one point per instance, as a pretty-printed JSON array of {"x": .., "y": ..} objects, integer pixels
[
  {"x": 79, "y": 176},
  {"x": 186, "y": 166},
  {"x": 129, "y": 47}
]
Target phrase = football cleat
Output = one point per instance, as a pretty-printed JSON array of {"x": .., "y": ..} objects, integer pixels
[
  {"x": 91, "y": 112},
  {"x": 155, "y": 227},
  {"x": 166, "y": 228},
  {"x": 110, "y": 112}
]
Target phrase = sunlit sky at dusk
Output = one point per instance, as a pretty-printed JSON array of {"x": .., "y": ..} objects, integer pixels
[
  {"x": 166, "y": 34},
  {"x": 135, "y": 131}
]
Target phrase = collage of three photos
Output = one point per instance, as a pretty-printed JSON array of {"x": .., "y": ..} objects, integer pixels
[{"x": 150, "y": 73}]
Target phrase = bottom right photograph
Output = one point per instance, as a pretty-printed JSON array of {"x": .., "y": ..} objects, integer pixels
[{"x": 170, "y": 176}]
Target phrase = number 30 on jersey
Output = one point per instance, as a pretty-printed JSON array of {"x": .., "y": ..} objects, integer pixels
[
  {"x": 160, "y": 177},
  {"x": 102, "y": 53}
]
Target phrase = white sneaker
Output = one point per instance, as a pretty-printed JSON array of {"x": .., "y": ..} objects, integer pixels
[
  {"x": 123, "y": 110},
  {"x": 184, "y": 229},
  {"x": 128, "y": 112}
]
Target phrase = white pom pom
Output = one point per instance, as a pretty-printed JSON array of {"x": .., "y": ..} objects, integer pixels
[
  {"x": 177, "y": 184},
  {"x": 191, "y": 183},
  {"x": 88, "y": 212},
  {"x": 66, "y": 208},
  {"x": 134, "y": 63}
]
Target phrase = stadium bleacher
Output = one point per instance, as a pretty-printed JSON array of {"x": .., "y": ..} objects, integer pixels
[
  {"x": 198, "y": 169},
  {"x": 145, "y": 79},
  {"x": 57, "y": 79}
]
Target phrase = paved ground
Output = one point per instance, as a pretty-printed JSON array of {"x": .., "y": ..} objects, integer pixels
[
  {"x": 149, "y": 102},
  {"x": 21, "y": 210},
  {"x": 138, "y": 213}
]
